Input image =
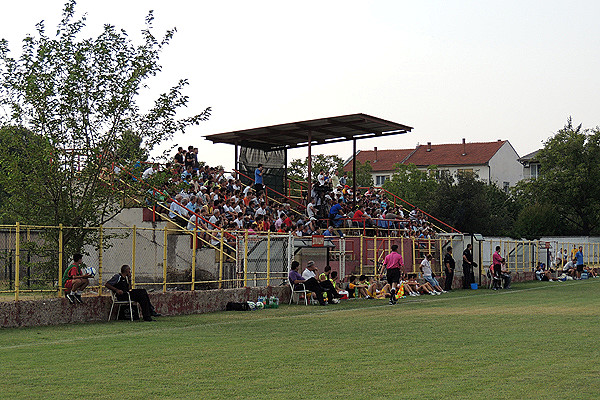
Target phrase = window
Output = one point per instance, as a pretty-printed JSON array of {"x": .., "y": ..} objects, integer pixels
[
  {"x": 380, "y": 180},
  {"x": 442, "y": 173},
  {"x": 534, "y": 170},
  {"x": 506, "y": 187},
  {"x": 468, "y": 171}
]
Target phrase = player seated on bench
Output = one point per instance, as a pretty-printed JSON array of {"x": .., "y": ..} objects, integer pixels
[
  {"x": 309, "y": 284},
  {"x": 121, "y": 284},
  {"x": 378, "y": 289}
]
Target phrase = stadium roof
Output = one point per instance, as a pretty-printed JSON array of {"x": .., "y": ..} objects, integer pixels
[{"x": 317, "y": 131}]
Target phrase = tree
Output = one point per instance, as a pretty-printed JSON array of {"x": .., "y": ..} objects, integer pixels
[
  {"x": 72, "y": 106},
  {"x": 569, "y": 176},
  {"x": 471, "y": 205},
  {"x": 412, "y": 185},
  {"x": 299, "y": 167},
  {"x": 364, "y": 176}
]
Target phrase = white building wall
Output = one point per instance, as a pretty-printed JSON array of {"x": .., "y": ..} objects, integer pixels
[{"x": 505, "y": 167}]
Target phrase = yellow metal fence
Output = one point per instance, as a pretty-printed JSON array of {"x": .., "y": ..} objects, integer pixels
[{"x": 34, "y": 258}]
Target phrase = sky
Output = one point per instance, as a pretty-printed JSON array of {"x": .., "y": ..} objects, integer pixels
[{"x": 479, "y": 70}]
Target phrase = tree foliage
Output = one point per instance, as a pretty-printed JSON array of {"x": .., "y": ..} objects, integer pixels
[
  {"x": 71, "y": 114},
  {"x": 413, "y": 185},
  {"x": 364, "y": 175},
  {"x": 76, "y": 99},
  {"x": 569, "y": 176},
  {"x": 299, "y": 167}
]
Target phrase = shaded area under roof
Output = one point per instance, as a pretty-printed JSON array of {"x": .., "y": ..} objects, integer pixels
[{"x": 321, "y": 131}]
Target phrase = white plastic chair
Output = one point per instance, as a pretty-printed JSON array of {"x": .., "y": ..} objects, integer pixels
[
  {"x": 493, "y": 279},
  {"x": 299, "y": 292},
  {"x": 121, "y": 303}
]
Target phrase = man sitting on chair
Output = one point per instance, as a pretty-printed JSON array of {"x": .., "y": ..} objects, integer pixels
[
  {"x": 121, "y": 284},
  {"x": 310, "y": 284}
]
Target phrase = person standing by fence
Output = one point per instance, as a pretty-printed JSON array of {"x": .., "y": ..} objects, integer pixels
[
  {"x": 468, "y": 265},
  {"x": 449, "y": 266}
]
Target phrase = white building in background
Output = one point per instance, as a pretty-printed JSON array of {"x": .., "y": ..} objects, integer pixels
[
  {"x": 492, "y": 162},
  {"x": 531, "y": 166}
]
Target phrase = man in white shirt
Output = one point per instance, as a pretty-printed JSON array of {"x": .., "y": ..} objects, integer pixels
[
  {"x": 425, "y": 268},
  {"x": 310, "y": 209},
  {"x": 149, "y": 172},
  {"x": 321, "y": 178},
  {"x": 214, "y": 219},
  {"x": 310, "y": 271},
  {"x": 174, "y": 207}
]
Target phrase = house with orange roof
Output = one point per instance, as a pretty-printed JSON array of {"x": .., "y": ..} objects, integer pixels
[{"x": 492, "y": 162}]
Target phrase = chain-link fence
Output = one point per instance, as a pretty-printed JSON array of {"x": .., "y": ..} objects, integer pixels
[{"x": 33, "y": 259}]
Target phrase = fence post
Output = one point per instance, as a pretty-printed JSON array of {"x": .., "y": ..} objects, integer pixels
[
  {"x": 361, "y": 254},
  {"x": 165, "y": 260},
  {"x": 245, "y": 258},
  {"x": 268, "y": 258},
  {"x": 100, "y": 247},
  {"x": 414, "y": 254},
  {"x": 221, "y": 258},
  {"x": 194, "y": 249},
  {"x": 60, "y": 259},
  {"x": 17, "y": 258},
  {"x": 133, "y": 243}
]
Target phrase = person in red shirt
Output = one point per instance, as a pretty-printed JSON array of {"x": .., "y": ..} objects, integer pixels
[
  {"x": 75, "y": 280},
  {"x": 357, "y": 218}
]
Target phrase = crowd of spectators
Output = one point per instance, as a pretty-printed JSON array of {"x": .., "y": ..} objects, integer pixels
[{"x": 221, "y": 201}]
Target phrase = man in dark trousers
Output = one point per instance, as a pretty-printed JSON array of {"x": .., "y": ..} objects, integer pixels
[
  {"x": 121, "y": 284},
  {"x": 468, "y": 265},
  {"x": 310, "y": 284},
  {"x": 449, "y": 265}
]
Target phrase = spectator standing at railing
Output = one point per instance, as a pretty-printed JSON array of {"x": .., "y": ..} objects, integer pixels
[
  {"x": 179, "y": 156},
  {"x": 310, "y": 209},
  {"x": 344, "y": 179},
  {"x": 335, "y": 179},
  {"x": 189, "y": 158},
  {"x": 258, "y": 179}
]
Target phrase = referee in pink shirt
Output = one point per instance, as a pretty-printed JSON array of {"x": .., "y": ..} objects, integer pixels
[{"x": 393, "y": 262}]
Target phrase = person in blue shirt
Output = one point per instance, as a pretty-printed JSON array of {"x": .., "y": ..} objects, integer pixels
[
  {"x": 258, "y": 179},
  {"x": 579, "y": 257},
  {"x": 336, "y": 214}
]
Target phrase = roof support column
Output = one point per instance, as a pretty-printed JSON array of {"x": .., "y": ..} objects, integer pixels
[
  {"x": 285, "y": 172},
  {"x": 353, "y": 173},
  {"x": 235, "y": 161},
  {"x": 309, "y": 162}
]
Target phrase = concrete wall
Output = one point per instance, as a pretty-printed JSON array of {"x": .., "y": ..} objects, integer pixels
[{"x": 96, "y": 309}]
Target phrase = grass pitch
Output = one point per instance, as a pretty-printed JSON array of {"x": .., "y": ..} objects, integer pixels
[{"x": 537, "y": 341}]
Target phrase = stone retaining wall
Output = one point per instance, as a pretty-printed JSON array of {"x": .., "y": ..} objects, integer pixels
[{"x": 96, "y": 308}]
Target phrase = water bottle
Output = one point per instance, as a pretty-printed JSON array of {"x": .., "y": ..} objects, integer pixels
[{"x": 275, "y": 302}]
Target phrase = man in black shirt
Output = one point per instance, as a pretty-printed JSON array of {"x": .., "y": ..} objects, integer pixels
[
  {"x": 449, "y": 269},
  {"x": 120, "y": 284},
  {"x": 468, "y": 265}
]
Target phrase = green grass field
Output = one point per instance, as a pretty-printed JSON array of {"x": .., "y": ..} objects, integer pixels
[{"x": 537, "y": 341}]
